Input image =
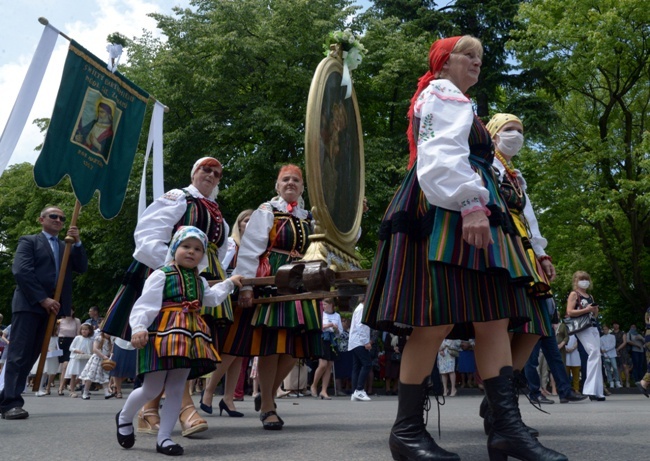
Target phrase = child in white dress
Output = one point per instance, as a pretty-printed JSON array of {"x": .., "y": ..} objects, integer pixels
[
  {"x": 174, "y": 343},
  {"x": 51, "y": 367},
  {"x": 81, "y": 350},
  {"x": 573, "y": 362},
  {"x": 93, "y": 371}
]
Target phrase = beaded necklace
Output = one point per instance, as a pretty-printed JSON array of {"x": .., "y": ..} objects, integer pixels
[{"x": 512, "y": 173}]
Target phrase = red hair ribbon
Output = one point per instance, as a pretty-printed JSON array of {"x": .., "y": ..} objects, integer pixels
[{"x": 438, "y": 56}]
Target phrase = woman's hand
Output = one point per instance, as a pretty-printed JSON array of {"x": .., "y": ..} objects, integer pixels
[
  {"x": 236, "y": 280},
  {"x": 139, "y": 340},
  {"x": 476, "y": 230},
  {"x": 549, "y": 269},
  {"x": 245, "y": 298}
]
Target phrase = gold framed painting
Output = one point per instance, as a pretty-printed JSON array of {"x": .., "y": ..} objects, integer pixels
[{"x": 334, "y": 164}]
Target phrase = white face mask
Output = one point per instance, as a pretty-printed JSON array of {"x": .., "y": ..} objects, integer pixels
[
  {"x": 510, "y": 142},
  {"x": 584, "y": 284}
]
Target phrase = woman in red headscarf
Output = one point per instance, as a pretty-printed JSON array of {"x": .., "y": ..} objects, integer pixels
[
  {"x": 450, "y": 261},
  {"x": 276, "y": 332}
]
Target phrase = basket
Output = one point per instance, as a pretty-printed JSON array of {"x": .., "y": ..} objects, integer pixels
[{"x": 108, "y": 364}]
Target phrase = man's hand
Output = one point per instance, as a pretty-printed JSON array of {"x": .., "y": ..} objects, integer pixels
[
  {"x": 51, "y": 306},
  {"x": 73, "y": 232}
]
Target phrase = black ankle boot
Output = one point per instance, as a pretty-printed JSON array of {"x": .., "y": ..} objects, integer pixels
[
  {"x": 509, "y": 436},
  {"x": 521, "y": 385},
  {"x": 409, "y": 439}
]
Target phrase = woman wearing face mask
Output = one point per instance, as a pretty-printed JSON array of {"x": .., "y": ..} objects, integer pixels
[
  {"x": 507, "y": 133},
  {"x": 582, "y": 303}
]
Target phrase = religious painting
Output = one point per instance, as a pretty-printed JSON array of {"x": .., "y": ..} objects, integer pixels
[{"x": 97, "y": 123}]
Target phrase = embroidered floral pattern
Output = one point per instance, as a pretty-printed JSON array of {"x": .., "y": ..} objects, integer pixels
[{"x": 426, "y": 129}]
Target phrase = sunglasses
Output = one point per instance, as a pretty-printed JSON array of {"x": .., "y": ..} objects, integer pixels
[
  {"x": 207, "y": 170},
  {"x": 54, "y": 217}
]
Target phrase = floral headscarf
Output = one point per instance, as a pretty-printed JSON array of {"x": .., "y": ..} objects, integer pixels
[{"x": 183, "y": 233}]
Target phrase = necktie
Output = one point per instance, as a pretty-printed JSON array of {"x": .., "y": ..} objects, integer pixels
[{"x": 54, "y": 243}]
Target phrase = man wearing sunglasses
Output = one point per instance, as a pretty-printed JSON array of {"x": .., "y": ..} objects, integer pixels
[{"x": 36, "y": 268}]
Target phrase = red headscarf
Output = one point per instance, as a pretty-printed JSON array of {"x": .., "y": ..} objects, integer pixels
[
  {"x": 290, "y": 168},
  {"x": 438, "y": 56}
]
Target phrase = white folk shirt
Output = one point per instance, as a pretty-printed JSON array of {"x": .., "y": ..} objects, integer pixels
[
  {"x": 444, "y": 172},
  {"x": 154, "y": 230},
  {"x": 359, "y": 333},
  {"x": 148, "y": 305},
  {"x": 536, "y": 240},
  {"x": 256, "y": 238}
]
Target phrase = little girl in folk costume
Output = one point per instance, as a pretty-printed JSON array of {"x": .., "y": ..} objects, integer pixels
[{"x": 174, "y": 343}]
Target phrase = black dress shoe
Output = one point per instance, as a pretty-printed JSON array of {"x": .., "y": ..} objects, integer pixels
[
  {"x": 125, "y": 441},
  {"x": 544, "y": 400},
  {"x": 170, "y": 450},
  {"x": 271, "y": 425},
  {"x": 595, "y": 398},
  {"x": 573, "y": 396},
  {"x": 15, "y": 413}
]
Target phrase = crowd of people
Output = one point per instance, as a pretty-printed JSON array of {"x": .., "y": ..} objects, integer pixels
[{"x": 460, "y": 288}]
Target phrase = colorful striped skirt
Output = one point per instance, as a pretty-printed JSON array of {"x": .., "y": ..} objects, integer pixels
[
  {"x": 178, "y": 338},
  {"x": 245, "y": 340},
  {"x": 424, "y": 274}
]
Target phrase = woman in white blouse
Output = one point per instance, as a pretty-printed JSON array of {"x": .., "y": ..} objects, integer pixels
[
  {"x": 450, "y": 261},
  {"x": 281, "y": 332}
]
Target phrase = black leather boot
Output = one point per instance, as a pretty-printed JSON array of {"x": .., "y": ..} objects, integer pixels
[
  {"x": 508, "y": 436},
  {"x": 521, "y": 385},
  {"x": 409, "y": 439}
]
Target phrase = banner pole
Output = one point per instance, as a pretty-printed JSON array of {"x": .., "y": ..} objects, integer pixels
[{"x": 57, "y": 297}]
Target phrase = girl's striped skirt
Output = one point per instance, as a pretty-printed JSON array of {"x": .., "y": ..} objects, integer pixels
[{"x": 178, "y": 338}]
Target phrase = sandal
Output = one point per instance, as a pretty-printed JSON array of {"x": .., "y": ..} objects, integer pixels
[
  {"x": 170, "y": 450},
  {"x": 271, "y": 425},
  {"x": 148, "y": 422},
  {"x": 74, "y": 395},
  {"x": 125, "y": 441},
  {"x": 118, "y": 395},
  {"x": 193, "y": 423}
]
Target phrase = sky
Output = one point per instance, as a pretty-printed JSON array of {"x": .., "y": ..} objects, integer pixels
[{"x": 88, "y": 22}]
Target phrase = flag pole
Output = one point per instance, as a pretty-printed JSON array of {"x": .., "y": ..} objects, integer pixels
[
  {"x": 46, "y": 22},
  {"x": 57, "y": 297}
]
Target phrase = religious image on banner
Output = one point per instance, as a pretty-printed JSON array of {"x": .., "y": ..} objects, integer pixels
[
  {"x": 93, "y": 133},
  {"x": 96, "y": 125}
]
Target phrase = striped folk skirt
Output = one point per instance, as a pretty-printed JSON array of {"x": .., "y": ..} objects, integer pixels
[
  {"x": 424, "y": 274},
  {"x": 178, "y": 339}
]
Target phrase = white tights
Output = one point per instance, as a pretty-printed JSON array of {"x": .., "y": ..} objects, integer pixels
[{"x": 173, "y": 381}]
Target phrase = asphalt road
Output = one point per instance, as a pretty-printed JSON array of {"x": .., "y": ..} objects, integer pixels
[{"x": 62, "y": 428}]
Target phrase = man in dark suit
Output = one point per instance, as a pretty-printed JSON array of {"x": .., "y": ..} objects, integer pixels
[{"x": 35, "y": 268}]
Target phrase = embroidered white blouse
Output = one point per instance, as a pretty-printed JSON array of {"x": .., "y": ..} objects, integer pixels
[
  {"x": 445, "y": 174},
  {"x": 154, "y": 229},
  {"x": 148, "y": 305},
  {"x": 256, "y": 238}
]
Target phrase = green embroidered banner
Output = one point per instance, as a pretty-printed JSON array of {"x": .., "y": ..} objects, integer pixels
[{"x": 93, "y": 133}]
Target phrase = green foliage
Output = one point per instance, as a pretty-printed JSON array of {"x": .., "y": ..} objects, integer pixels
[
  {"x": 594, "y": 186},
  {"x": 236, "y": 75}
]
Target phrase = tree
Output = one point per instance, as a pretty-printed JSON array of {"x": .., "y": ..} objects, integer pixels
[{"x": 595, "y": 166}]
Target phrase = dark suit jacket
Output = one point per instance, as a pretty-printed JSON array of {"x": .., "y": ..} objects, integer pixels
[{"x": 34, "y": 270}]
